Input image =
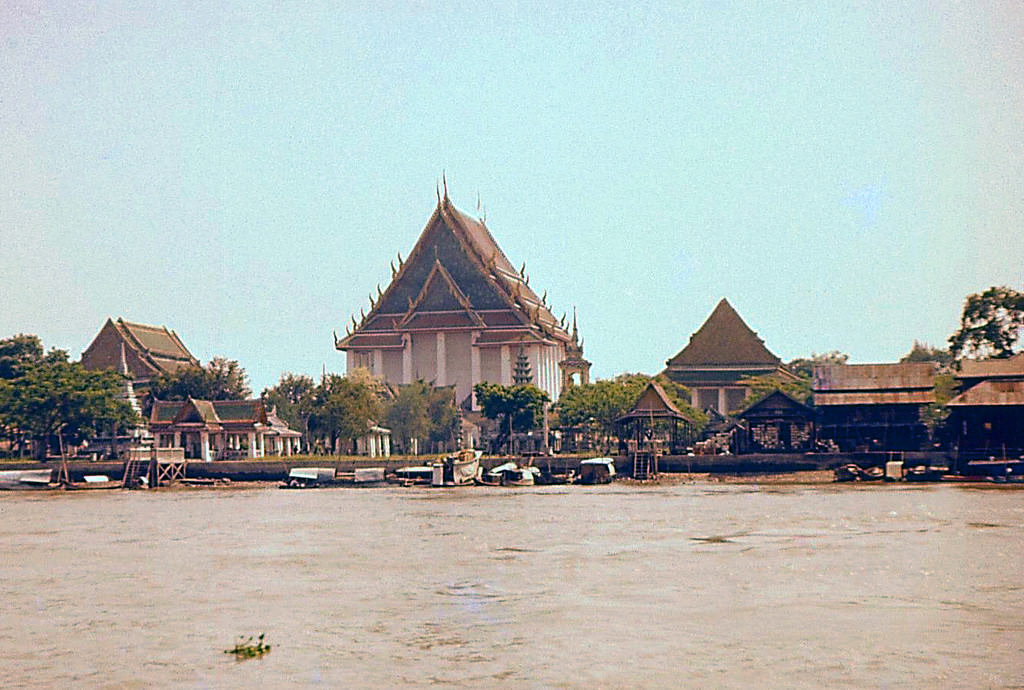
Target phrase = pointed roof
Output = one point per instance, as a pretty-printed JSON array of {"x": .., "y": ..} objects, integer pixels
[
  {"x": 653, "y": 403},
  {"x": 155, "y": 349},
  {"x": 456, "y": 277},
  {"x": 724, "y": 339},
  {"x": 774, "y": 403}
]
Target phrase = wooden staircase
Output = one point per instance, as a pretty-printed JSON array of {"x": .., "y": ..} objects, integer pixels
[
  {"x": 134, "y": 470},
  {"x": 645, "y": 465}
]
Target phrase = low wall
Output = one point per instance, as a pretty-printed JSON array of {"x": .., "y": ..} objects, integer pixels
[{"x": 276, "y": 469}]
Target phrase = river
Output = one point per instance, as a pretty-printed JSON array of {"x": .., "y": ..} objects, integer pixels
[{"x": 692, "y": 585}]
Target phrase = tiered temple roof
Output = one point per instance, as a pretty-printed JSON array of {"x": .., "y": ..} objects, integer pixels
[
  {"x": 456, "y": 278},
  {"x": 147, "y": 350}
]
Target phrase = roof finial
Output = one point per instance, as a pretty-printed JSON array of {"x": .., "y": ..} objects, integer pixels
[
  {"x": 437, "y": 190},
  {"x": 575, "y": 333},
  {"x": 444, "y": 181}
]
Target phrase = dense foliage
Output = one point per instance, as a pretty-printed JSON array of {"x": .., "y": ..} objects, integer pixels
[
  {"x": 923, "y": 352},
  {"x": 517, "y": 408},
  {"x": 292, "y": 399},
  {"x": 990, "y": 325},
  {"x": 220, "y": 379},
  {"x": 45, "y": 395},
  {"x": 421, "y": 412}
]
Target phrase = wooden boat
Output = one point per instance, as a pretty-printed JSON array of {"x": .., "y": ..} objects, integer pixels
[
  {"x": 309, "y": 477},
  {"x": 456, "y": 469},
  {"x": 510, "y": 474},
  {"x": 412, "y": 474},
  {"x": 597, "y": 471},
  {"x": 94, "y": 482}
]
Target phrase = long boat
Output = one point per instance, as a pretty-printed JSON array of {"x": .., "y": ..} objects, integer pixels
[{"x": 27, "y": 480}]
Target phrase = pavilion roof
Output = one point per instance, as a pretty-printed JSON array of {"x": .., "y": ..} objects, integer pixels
[{"x": 653, "y": 403}]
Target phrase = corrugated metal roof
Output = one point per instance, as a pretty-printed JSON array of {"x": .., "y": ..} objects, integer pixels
[
  {"x": 874, "y": 377},
  {"x": 916, "y": 397},
  {"x": 989, "y": 393},
  {"x": 991, "y": 368}
]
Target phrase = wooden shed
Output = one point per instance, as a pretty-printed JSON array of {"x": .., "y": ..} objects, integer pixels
[{"x": 778, "y": 423}]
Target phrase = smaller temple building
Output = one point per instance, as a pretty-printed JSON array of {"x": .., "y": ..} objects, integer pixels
[
  {"x": 220, "y": 429},
  {"x": 719, "y": 355},
  {"x": 145, "y": 351},
  {"x": 777, "y": 424},
  {"x": 874, "y": 406}
]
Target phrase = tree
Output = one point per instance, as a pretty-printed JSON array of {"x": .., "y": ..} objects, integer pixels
[
  {"x": 17, "y": 353},
  {"x": 292, "y": 398},
  {"x": 517, "y": 407},
  {"x": 221, "y": 379},
  {"x": 990, "y": 325},
  {"x": 421, "y": 411},
  {"x": 804, "y": 366},
  {"x": 923, "y": 352},
  {"x": 763, "y": 386},
  {"x": 54, "y": 396},
  {"x": 343, "y": 409}
]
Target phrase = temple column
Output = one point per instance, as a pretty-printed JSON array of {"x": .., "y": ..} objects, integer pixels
[
  {"x": 506, "y": 366},
  {"x": 177, "y": 439},
  {"x": 263, "y": 445},
  {"x": 406, "y": 358},
  {"x": 474, "y": 367},
  {"x": 723, "y": 401},
  {"x": 441, "y": 370},
  {"x": 252, "y": 444},
  {"x": 204, "y": 441},
  {"x": 694, "y": 399}
]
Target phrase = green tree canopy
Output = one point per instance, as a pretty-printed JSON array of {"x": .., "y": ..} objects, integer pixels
[
  {"x": 292, "y": 398},
  {"x": 804, "y": 366},
  {"x": 343, "y": 409},
  {"x": 763, "y": 386},
  {"x": 923, "y": 352},
  {"x": 518, "y": 408},
  {"x": 17, "y": 353},
  {"x": 221, "y": 379},
  {"x": 54, "y": 395},
  {"x": 421, "y": 411},
  {"x": 990, "y": 325}
]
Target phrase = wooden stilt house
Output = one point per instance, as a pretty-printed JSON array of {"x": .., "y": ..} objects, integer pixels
[{"x": 778, "y": 424}]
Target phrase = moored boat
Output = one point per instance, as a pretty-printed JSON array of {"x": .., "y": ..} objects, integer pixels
[
  {"x": 456, "y": 469},
  {"x": 597, "y": 471},
  {"x": 27, "y": 480}
]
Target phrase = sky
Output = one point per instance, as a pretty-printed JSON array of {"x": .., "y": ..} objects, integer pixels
[{"x": 244, "y": 173}]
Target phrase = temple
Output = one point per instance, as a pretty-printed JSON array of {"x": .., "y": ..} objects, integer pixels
[
  {"x": 457, "y": 313},
  {"x": 137, "y": 350},
  {"x": 718, "y": 356}
]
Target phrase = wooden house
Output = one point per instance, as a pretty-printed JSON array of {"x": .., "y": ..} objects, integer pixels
[
  {"x": 874, "y": 406},
  {"x": 719, "y": 355},
  {"x": 987, "y": 417},
  {"x": 778, "y": 424},
  {"x": 457, "y": 313}
]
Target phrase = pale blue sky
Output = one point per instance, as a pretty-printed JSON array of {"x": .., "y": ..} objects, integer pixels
[{"x": 844, "y": 173}]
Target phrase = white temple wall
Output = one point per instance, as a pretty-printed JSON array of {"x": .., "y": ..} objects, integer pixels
[
  {"x": 424, "y": 356},
  {"x": 490, "y": 364},
  {"x": 392, "y": 365},
  {"x": 459, "y": 363}
]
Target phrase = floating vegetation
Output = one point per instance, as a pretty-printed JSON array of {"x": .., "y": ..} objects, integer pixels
[{"x": 246, "y": 649}]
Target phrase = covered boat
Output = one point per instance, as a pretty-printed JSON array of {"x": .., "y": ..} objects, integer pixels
[
  {"x": 26, "y": 480},
  {"x": 456, "y": 469},
  {"x": 309, "y": 477},
  {"x": 511, "y": 474},
  {"x": 597, "y": 471}
]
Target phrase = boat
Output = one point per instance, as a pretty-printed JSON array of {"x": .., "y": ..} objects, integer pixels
[
  {"x": 320, "y": 477},
  {"x": 412, "y": 474},
  {"x": 597, "y": 471},
  {"x": 510, "y": 474},
  {"x": 309, "y": 477},
  {"x": 460, "y": 468},
  {"x": 27, "y": 480}
]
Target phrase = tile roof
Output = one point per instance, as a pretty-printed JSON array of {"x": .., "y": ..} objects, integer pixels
[
  {"x": 724, "y": 338},
  {"x": 653, "y": 403},
  {"x": 456, "y": 265}
]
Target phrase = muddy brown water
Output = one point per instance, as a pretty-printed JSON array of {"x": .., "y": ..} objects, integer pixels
[{"x": 695, "y": 585}]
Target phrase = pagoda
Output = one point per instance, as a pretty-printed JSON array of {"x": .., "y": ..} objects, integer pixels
[
  {"x": 719, "y": 355},
  {"x": 457, "y": 312}
]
